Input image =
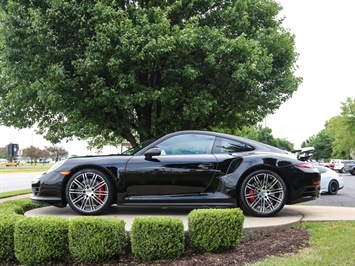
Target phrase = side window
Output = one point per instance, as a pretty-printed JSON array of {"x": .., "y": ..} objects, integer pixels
[
  {"x": 187, "y": 144},
  {"x": 231, "y": 146}
]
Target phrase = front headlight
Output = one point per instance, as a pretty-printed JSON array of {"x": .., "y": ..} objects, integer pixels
[
  {"x": 56, "y": 166},
  {"x": 36, "y": 179}
]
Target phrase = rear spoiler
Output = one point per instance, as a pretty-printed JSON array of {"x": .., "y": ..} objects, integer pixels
[{"x": 304, "y": 154}]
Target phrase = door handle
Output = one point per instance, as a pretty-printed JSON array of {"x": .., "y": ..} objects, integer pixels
[{"x": 205, "y": 166}]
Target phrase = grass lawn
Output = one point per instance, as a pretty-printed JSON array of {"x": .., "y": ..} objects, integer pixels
[
  {"x": 14, "y": 193},
  {"x": 332, "y": 243},
  {"x": 26, "y": 168}
]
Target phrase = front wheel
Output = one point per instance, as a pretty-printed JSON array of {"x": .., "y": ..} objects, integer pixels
[
  {"x": 263, "y": 193},
  {"x": 89, "y": 192}
]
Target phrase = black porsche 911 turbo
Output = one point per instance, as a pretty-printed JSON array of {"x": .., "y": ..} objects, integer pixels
[{"x": 185, "y": 168}]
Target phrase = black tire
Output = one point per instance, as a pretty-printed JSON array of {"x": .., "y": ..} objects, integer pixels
[
  {"x": 263, "y": 193},
  {"x": 352, "y": 172},
  {"x": 89, "y": 192},
  {"x": 333, "y": 187}
]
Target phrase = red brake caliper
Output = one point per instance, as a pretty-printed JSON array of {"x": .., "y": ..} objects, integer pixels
[
  {"x": 251, "y": 192},
  {"x": 101, "y": 190}
]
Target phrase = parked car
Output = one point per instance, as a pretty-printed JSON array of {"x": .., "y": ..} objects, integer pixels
[
  {"x": 350, "y": 167},
  {"x": 332, "y": 163},
  {"x": 16, "y": 164},
  {"x": 331, "y": 181},
  {"x": 185, "y": 168},
  {"x": 339, "y": 165}
]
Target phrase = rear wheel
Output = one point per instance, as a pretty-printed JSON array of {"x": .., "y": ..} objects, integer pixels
[
  {"x": 262, "y": 193},
  {"x": 352, "y": 172},
  {"x": 333, "y": 187},
  {"x": 89, "y": 192}
]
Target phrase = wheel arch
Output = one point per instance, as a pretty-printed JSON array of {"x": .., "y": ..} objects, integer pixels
[
  {"x": 102, "y": 169},
  {"x": 264, "y": 167}
]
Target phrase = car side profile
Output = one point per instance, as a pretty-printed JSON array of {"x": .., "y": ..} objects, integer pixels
[{"x": 185, "y": 168}]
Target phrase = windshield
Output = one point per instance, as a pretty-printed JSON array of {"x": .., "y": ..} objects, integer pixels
[{"x": 138, "y": 147}]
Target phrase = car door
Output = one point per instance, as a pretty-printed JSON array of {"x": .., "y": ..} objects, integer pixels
[{"x": 184, "y": 166}]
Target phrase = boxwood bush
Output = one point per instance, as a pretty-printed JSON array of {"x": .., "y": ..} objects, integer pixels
[
  {"x": 18, "y": 206},
  {"x": 26, "y": 204},
  {"x": 41, "y": 240},
  {"x": 96, "y": 239},
  {"x": 10, "y": 208},
  {"x": 215, "y": 229},
  {"x": 154, "y": 238},
  {"x": 7, "y": 228}
]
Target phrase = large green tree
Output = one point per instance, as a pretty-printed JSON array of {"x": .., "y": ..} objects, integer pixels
[
  {"x": 322, "y": 143},
  {"x": 110, "y": 70},
  {"x": 342, "y": 128}
]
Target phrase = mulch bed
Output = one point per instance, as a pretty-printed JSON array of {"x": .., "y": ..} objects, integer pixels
[{"x": 248, "y": 251}]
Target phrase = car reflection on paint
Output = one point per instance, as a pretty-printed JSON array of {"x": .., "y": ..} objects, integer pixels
[{"x": 185, "y": 168}]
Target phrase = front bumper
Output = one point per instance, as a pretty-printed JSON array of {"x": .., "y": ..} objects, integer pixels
[{"x": 47, "y": 189}]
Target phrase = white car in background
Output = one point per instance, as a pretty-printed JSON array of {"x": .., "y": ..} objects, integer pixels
[{"x": 331, "y": 181}]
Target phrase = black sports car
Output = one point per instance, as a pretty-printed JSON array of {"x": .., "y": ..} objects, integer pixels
[{"x": 186, "y": 168}]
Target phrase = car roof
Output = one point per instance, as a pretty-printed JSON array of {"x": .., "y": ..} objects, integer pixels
[{"x": 256, "y": 144}]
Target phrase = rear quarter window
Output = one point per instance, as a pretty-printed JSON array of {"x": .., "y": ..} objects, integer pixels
[{"x": 232, "y": 146}]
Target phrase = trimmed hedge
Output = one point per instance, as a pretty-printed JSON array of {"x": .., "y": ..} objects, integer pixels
[
  {"x": 154, "y": 238},
  {"x": 10, "y": 208},
  {"x": 44, "y": 240},
  {"x": 7, "y": 229},
  {"x": 215, "y": 229},
  {"x": 96, "y": 239},
  {"x": 41, "y": 240},
  {"x": 18, "y": 206},
  {"x": 26, "y": 204}
]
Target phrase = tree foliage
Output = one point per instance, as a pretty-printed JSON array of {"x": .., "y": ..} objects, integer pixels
[
  {"x": 337, "y": 139},
  {"x": 107, "y": 70},
  {"x": 322, "y": 143},
  {"x": 35, "y": 153},
  {"x": 264, "y": 135},
  {"x": 57, "y": 153},
  {"x": 342, "y": 128}
]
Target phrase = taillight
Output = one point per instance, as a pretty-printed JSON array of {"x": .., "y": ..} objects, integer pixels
[
  {"x": 316, "y": 182},
  {"x": 305, "y": 165}
]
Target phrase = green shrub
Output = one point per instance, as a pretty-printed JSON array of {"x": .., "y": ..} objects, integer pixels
[
  {"x": 19, "y": 206},
  {"x": 155, "y": 238},
  {"x": 10, "y": 207},
  {"x": 41, "y": 240},
  {"x": 26, "y": 204},
  {"x": 96, "y": 239},
  {"x": 7, "y": 228},
  {"x": 215, "y": 229}
]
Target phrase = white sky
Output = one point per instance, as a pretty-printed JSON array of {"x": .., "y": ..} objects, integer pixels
[{"x": 325, "y": 40}]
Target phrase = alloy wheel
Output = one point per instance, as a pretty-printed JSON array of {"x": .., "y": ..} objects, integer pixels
[
  {"x": 88, "y": 192},
  {"x": 264, "y": 194}
]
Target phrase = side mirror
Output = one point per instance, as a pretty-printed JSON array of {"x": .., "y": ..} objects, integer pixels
[{"x": 152, "y": 152}]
